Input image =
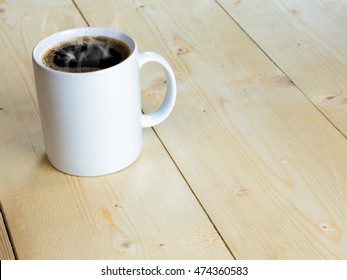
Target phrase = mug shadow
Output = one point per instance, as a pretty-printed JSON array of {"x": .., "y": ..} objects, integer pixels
[
  {"x": 47, "y": 166},
  {"x": 44, "y": 161}
]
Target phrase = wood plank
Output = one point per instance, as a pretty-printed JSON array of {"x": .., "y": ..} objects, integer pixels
[
  {"x": 256, "y": 152},
  {"x": 144, "y": 212},
  {"x": 307, "y": 40},
  {"x": 6, "y": 252}
]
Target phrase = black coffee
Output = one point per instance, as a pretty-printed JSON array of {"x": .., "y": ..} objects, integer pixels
[{"x": 86, "y": 54}]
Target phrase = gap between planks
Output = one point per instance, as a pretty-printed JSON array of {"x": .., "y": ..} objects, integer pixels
[
  {"x": 5, "y": 238},
  {"x": 194, "y": 194},
  {"x": 80, "y": 12},
  {"x": 279, "y": 67}
]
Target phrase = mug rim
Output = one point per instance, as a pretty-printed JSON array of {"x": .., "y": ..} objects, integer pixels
[{"x": 60, "y": 36}]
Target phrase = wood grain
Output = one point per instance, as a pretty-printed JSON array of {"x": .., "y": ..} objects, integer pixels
[
  {"x": 6, "y": 252},
  {"x": 267, "y": 166},
  {"x": 307, "y": 40},
  {"x": 144, "y": 212}
]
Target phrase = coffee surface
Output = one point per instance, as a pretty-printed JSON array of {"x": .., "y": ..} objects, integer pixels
[{"x": 86, "y": 54}]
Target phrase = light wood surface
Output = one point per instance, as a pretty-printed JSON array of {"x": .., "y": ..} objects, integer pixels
[
  {"x": 6, "y": 252},
  {"x": 247, "y": 166},
  {"x": 307, "y": 40}
]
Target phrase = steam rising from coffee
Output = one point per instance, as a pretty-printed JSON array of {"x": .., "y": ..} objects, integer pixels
[{"x": 86, "y": 54}]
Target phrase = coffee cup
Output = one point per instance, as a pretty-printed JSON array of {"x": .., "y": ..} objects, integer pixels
[{"x": 91, "y": 110}]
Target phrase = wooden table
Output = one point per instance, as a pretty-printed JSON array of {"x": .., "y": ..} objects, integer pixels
[{"x": 252, "y": 163}]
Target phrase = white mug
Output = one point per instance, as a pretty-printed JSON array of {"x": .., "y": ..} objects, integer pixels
[{"x": 92, "y": 122}]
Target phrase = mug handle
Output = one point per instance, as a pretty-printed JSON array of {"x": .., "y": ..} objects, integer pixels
[{"x": 159, "y": 115}]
